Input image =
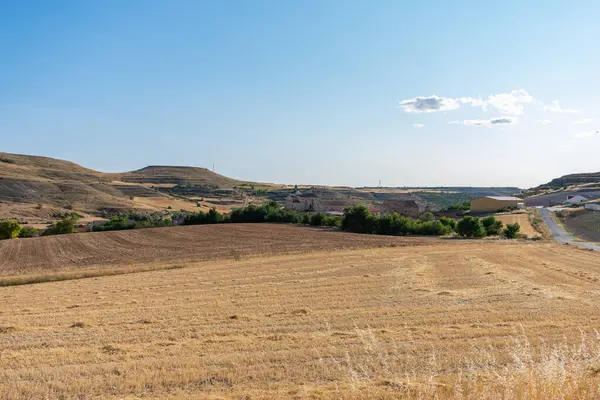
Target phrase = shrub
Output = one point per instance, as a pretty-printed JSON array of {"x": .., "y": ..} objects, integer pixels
[
  {"x": 61, "y": 228},
  {"x": 427, "y": 217},
  {"x": 395, "y": 225},
  {"x": 9, "y": 230},
  {"x": 305, "y": 219},
  {"x": 6, "y": 160},
  {"x": 448, "y": 222},
  {"x": 470, "y": 227},
  {"x": 432, "y": 228},
  {"x": 317, "y": 219},
  {"x": 512, "y": 230},
  {"x": 332, "y": 221},
  {"x": 357, "y": 219},
  {"x": 28, "y": 232},
  {"x": 491, "y": 225}
]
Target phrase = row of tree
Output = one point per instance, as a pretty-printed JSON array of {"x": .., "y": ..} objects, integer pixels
[{"x": 356, "y": 219}]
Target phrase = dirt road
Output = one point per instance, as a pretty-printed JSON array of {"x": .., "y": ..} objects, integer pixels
[{"x": 561, "y": 235}]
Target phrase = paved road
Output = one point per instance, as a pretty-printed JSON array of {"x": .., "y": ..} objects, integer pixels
[{"x": 561, "y": 235}]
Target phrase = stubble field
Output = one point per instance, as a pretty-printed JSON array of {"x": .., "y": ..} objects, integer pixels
[{"x": 453, "y": 319}]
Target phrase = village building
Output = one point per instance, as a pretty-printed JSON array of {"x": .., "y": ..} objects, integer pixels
[
  {"x": 495, "y": 203},
  {"x": 576, "y": 199},
  {"x": 406, "y": 208},
  {"x": 303, "y": 202}
]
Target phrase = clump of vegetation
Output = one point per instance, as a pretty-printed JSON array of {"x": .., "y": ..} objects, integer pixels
[
  {"x": 470, "y": 227},
  {"x": 9, "y": 230},
  {"x": 66, "y": 215},
  {"x": 317, "y": 219},
  {"x": 6, "y": 160},
  {"x": 427, "y": 217},
  {"x": 62, "y": 227},
  {"x": 449, "y": 222},
  {"x": 201, "y": 218},
  {"x": 512, "y": 231},
  {"x": 491, "y": 225},
  {"x": 28, "y": 232}
]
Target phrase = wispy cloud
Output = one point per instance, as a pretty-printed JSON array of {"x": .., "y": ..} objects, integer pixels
[
  {"x": 418, "y": 125},
  {"x": 487, "y": 122},
  {"x": 543, "y": 121},
  {"x": 508, "y": 103},
  {"x": 588, "y": 134},
  {"x": 429, "y": 104},
  {"x": 583, "y": 121},
  {"x": 555, "y": 107}
]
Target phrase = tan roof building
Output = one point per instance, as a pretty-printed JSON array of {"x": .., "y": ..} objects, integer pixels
[
  {"x": 495, "y": 203},
  {"x": 407, "y": 208}
]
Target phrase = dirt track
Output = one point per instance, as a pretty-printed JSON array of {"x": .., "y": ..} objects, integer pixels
[{"x": 178, "y": 244}]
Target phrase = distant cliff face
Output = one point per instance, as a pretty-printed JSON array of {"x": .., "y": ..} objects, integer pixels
[{"x": 572, "y": 179}]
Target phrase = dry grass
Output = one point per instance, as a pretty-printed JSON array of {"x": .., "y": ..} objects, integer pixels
[
  {"x": 464, "y": 320},
  {"x": 522, "y": 219}
]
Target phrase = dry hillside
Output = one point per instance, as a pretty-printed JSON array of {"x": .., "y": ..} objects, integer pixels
[{"x": 58, "y": 184}]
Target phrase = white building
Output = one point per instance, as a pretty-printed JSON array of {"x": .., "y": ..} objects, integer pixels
[
  {"x": 307, "y": 202},
  {"x": 575, "y": 199}
]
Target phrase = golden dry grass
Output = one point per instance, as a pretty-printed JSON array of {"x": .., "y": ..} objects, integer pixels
[
  {"x": 522, "y": 219},
  {"x": 468, "y": 319}
]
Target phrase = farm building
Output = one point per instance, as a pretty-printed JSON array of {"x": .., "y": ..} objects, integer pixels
[
  {"x": 495, "y": 203},
  {"x": 575, "y": 199},
  {"x": 303, "y": 202},
  {"x": 407, "y": 208}
]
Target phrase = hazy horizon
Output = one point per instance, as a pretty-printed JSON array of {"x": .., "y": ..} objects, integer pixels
[{"x": 420, "y": 95}]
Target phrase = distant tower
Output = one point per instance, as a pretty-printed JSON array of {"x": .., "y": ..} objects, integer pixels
[
  {"x": 380, "y": 183},
  {"x": 213, "y": 167}
]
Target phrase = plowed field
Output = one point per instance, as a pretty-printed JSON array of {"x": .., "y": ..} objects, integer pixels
[{"x": 177, "y": 244}]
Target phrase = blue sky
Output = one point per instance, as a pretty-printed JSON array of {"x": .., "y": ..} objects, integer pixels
[{"x": 308, "y": 92}]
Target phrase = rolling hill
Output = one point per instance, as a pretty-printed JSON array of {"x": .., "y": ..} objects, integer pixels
[{"x": 58, "y": 185}]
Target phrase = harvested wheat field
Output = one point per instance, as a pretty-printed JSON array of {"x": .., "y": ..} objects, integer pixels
[
  {"x": 522, "y": 219},
  {"x": 452, "y": 319}
]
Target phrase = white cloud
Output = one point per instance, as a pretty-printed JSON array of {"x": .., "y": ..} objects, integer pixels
[
  {"x": 583, "y": 121},
  {"x": 510, "y": 103},
  {"x": 418, "y": 125},
  {"x": 543, "y": 121},
  {"x": 588, "y": 134},
  {"x": 429, "y": 104},
  {"x": 487, "y": 122},
  {"x": 555, "y": 107}
]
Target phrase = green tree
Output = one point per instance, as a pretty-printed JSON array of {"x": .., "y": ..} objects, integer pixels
[
  {"x": 358, "y": 219},
  {"x": 9, "y": 229},
  {"x": 470, "y": 227},
  {"x": 427, "y": 217},
  {"x": 491, "y": 225},
  {"x": 512, "y": 230},
  {"x": 317, "y": 219},
  {"x": 28, "y": 232},
  {"x": 448, "y": 222}
]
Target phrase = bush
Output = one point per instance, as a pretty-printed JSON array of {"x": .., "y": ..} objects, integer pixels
[
  {"x": 317, "y": 219},
  {"x": 512, "y": 230},
  {"x": 332, "y": 221},
  {"x": 28, "y": 232},
  {"x": 305, "y": 219},
  {"x": 9, "y": 229},
  {"x": 435, "y": 228},
  {"x": 61, "y": 228},
  {"x": 470, "y": 227},
  {"x": 427, "y": 217},
  {"x": 491, "y": 225},
  {"x": 357, "y": 219},
  {"x": 395, "y": 225},
  {"x": 448, "y": 222}
]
